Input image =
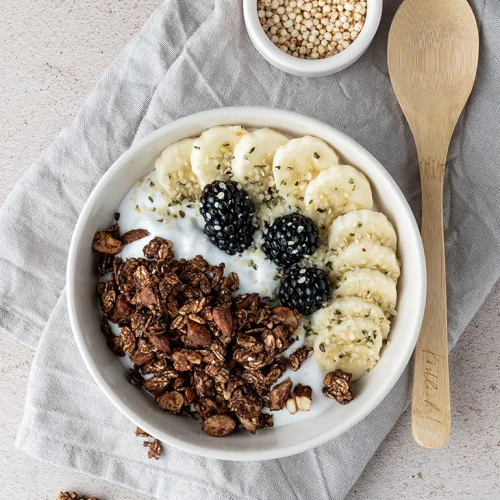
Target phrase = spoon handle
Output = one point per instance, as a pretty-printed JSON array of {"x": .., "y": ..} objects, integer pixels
[{"x": 431, "y": 389}]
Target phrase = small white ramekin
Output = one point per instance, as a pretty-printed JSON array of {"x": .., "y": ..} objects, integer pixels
[{"x": 310, "y": 67}]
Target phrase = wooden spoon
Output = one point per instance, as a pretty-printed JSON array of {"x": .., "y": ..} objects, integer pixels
[{"x": 432, "y": 56}]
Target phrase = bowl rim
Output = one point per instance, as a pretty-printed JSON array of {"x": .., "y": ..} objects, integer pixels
[
  {"x": 242, "y": 113},
  {"x": 310, "y": 67}
]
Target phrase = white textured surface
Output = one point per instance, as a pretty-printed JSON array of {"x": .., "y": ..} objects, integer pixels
[{"x": 53, "y": 52}]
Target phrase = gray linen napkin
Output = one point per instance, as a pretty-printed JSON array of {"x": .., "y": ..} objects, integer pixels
[{"x": 192, "y": 56}]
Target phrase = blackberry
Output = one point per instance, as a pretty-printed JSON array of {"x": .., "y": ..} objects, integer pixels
[
  {"x": 290, "y": 238},
  {"x": 227, "y": 211},
  {"x": 305, "y": 289}
]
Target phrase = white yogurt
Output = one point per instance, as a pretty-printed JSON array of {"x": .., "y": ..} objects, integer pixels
[{"x": 146, "y": 207}]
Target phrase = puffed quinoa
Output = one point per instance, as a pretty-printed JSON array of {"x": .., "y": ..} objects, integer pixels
[{"x": 312, "y": 29}]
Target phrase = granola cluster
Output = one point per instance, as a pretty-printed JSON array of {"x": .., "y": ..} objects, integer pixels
[
  {"x": 208, "y": 353},
  {"x": 66, "y": 495},
  {"x": 154, "y": 447},
  {"x": 337, "y": 386}
]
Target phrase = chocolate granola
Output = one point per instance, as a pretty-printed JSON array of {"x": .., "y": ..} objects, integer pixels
[
  {"x": 154, "y": 448},
  {"x": 298, "y": 357},
  {"x": 300, "y": 400},
  {"x": 337, "y": 386},
  {"x": 196, "y": 347},
  {"x": 67, "y": 495}
]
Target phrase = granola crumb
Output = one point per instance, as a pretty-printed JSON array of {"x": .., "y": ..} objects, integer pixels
[
  {"x": 154, "y": 449},
  {"x": 298, "y": 357},
  {"x": 280, "y": 394},
  {"x": 141, "y": 433},
  {"x": 66, "y": 495}
]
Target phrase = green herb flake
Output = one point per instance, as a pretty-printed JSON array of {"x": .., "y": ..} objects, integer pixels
[
  {"x": 152, "y": 184},
  {"x": 225, "y": 145},
  {"x": 218, "y": 167},
  {"x": 310, "y": 202},
  {"x": 251, "y": 151},
  {"x": 159, "y": 220},
  {"x": 316, "y": 155},
  {"x": 150, "y": 199},
  {"x": 338, "y": 312},
  {"x": 196, "y": 147},
  {"x": 253, "y": 265},
  {"x": 351, "y": 180}
]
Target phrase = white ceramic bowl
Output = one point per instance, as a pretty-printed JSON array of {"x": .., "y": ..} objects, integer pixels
[
  {"x": 310, "y": 67},
  {"x": 185, "y": 433}
]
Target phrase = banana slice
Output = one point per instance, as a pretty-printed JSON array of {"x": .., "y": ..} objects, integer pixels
[
  {"x": 297, "y": 163},
  {"x": 354, "y": 307},
  {"x": 173, "y": 170},
  {"x": 372, "y": 286},
  {"x": 212, "y": 153},
  {"x": 336, "y": 191},
  {"x": 351, "y": 345},
  {"x": 360, "y": 225},
  {"x": 367, "y": 255},
  {"x": 253, "y": 161}
]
